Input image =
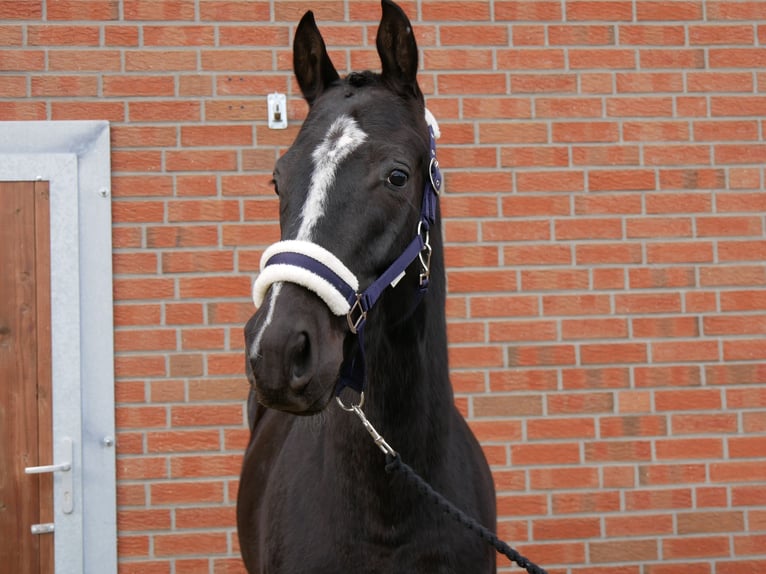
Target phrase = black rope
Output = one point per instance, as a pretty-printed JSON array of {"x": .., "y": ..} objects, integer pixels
[{"x": 394, "y": 463}]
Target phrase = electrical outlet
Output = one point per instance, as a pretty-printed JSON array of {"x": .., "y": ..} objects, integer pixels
[{"x": 277, "y": 104}]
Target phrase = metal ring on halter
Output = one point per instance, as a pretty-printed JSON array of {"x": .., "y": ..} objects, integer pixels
[
  {"x": 432, "y": 169},
  {"x": 353, "y": 407},
  {"x": 425, "y": 255}
]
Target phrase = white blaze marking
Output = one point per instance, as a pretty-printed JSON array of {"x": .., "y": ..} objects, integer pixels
[
  {"x": 343, "y": 137},
  {"x": 255, "y": 349}
]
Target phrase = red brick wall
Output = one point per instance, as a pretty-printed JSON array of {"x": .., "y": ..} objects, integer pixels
[{"x": 605, "y": 241}]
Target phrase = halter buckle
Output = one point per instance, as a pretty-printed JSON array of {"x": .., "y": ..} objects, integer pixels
[
  {"x": 354, "y": 323},
  {"x": 435, "y": 174}
]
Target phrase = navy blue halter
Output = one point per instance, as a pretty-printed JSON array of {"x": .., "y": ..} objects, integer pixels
[{"x": 352, "y": 372}]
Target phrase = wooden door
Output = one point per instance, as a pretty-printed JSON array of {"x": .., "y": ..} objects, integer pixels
[{"x": 25, "y": 377}]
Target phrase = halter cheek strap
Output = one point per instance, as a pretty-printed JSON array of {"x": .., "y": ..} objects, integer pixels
[{"x": 312, "y": 266}]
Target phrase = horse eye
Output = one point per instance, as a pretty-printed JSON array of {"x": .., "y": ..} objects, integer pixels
[
  {"x": 273, "y": 183},
  {"x": 398, "y": 178}
]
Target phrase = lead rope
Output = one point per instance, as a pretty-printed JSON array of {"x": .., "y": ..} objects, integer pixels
[{"x": 394, "y": 463}]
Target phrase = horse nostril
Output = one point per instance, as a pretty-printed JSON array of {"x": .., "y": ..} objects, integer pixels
[{"x": 300, "y": 361}]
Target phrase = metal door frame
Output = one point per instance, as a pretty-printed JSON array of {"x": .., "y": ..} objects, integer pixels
[{"x": 74, "y": 157}]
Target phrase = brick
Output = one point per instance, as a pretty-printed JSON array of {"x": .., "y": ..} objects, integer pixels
[
  {"x": 661, "y": 376},
  {"x": 648, "y": 82},
  {"x": 648, "y": 525},
  {"x": 745, "y": 447},
  {"x": 594, "y": 329},
  {"x": 83, "y": 10},
  {"x": 183, "y": 441},
  {"x": 685, "y": 351},
  {"x": 126, "y": 289},
  {"x": 548, "y": 83},
  {"x": 688, "y": 399},
  {"x": 75, "y": 110},
  {"x": 534, "y": 157},
  {"x": 607, "y": 253},
  {"x": 140, "y": 417},
  {"x": 627, "y": 426},
  {"x": 656, "y": 130},
  {"x": 545, "y": 254},
  {"x": 132, "y": 546},
  {"x": 543, "y": 454},
  {"x": 585, "y": 502},
  {"x": 613, "y": 451},
  {"x": 745, "y": 398},
  {"x": 512, "y": 231},
  {"x": 550, "y": 181},
  {"x": 732, "y": 275},
  {"x": 205, "y": 466},
  {"x": 149, "y": 519},
  {"x": 541, "y": 355},
  {"x": 167, "y": 391},
  {"x": 185, "y": 544},
  {"x": 647, "y": 303},
  {"x": 178, "y": 36},
  {"x": 503, "y": 306},
  {"x": 734, "y": 325},
  {"x": 691, "y": 449},
  {"x": 531, "y": 59},
  {"x": 473, "y": 357},
  {"x": 704, "y": 424},
  {"x": 145, "y": 340},
  {"x": 628, "y": 180},
  {"x": 744, "y": 350},
  {"x": 563, "y": 478},
  {"x": 566, "y": 528},
  {"x": 507, "y": 405},
  {"x": 481, "y": 281},
  {"x": 519, "y": 133},
  {"x": 622, "y": 551},
  {"x": 597, "y": 11},
  {"x": 595, "y": 378},
  {"x": 142, "y": 468},
  {"x": 608, "y": 203},
  {"x": 662, "y": 499},
  {"x": 504, "y": 331},
  {"x": 578, "y": 403},
  {"x": 655, "y": 277},
  {"x": 186, "y": 365},
  {"x": 710, "y": 522},
  {"x": 497, "y": 107},
  {"x": 564, "y": 428},
  {"x": 665, "y": 475},
  {"x": 696, "y": 547},
  {"x": 527, "y": 206},
  {"x": 204, "y": 517}
]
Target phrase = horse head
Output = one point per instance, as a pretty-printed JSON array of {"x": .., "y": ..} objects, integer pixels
[{"x": 350, "y": 192}]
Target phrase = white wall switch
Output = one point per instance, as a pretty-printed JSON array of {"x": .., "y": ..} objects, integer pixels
[{"x": 277, "y": 104}]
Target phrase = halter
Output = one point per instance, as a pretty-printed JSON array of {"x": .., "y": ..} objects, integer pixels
[{"x": 315, "y": 268}]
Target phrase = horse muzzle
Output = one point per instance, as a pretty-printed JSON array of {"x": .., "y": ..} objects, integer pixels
[{"x": 294, "y": 350}]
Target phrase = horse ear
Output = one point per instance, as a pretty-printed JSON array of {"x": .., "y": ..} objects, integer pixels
[
  {"x": 312, "y": 66},
  {"x": 397, "y": 50}
]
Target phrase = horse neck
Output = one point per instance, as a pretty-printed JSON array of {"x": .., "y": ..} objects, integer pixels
[{"x": 409, "y": 396}]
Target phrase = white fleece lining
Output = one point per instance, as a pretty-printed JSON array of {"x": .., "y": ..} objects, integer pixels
[
  {"x": 431, "y": 121},
  {"x": 283, "y": 272}
]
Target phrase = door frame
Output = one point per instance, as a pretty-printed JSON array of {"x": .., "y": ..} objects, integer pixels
[{"x": 74, "y": 157}]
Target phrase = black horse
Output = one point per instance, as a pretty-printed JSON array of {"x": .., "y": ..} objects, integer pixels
[{"x": 355, "y": 189}]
